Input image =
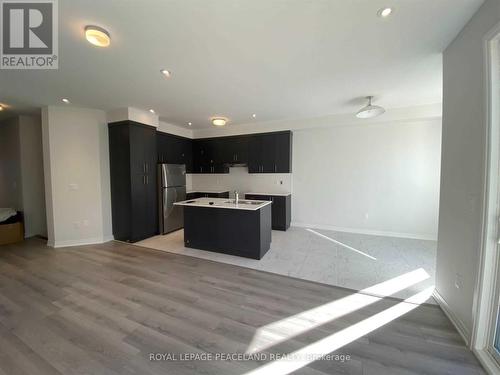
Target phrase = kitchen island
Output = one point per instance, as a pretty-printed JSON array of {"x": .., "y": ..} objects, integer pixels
[{"x": 224, "y": 226}]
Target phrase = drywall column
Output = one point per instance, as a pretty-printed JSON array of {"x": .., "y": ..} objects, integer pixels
[
  {"x": 10, "y": 170},
  {"x": 31, "y": 169},
  {"x": 462, "y": 167},
  {"x": 77, "y": 186}
]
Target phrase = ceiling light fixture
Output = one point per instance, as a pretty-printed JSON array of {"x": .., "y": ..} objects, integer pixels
[
  {"x": 97, "y": 36},
  {"x": 384, "y": 12},
  {"x": 1, "y": 108},
  {"x": 190, "y": 123},
  {"x": 254, "y": 115},
  {"x": 219, "y": 121},
  {"x": 152, "y": 111},
  {"x": 65, "y": 101},
  {"x": 370, "y": 110},
  {"x": 166, "y": 73}
]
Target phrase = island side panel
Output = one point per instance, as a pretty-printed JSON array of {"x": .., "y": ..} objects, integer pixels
[
  {"x": 266, "y": 223},
  {"x": 228, "y": 231}
]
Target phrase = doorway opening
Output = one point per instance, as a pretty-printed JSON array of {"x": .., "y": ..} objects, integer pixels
[{"x": 486, "y": 332}]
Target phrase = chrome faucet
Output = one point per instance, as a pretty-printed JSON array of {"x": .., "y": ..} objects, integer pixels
[{"x": 236, "y": 196}]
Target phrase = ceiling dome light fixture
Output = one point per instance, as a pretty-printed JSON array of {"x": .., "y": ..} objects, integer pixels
[
  {"x": 97, "y": 36},
  {"x": 65, "y": 100},
  {"x": 166, "y": 73},
  {"x": 384, "y": 12},
  {"x": 190, "y": 123},
  {"x": 219, "y": 121},
  {"x": 370, "y": 110},
  {"x": 152, "y": 111}
]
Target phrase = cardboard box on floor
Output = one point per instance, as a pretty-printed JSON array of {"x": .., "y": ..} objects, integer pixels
[{"x": 11, "y": 233}]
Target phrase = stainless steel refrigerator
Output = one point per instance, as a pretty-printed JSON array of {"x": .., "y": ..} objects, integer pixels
[{"x": 171, "y": 188}]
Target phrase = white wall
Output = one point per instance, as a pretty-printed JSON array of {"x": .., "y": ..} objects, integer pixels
[
  {"x": 174, "y": 129},
  {"x": 31, "y": 168},
  {"x": 463, "y": 165},
  {"x": 10, "y": 169},
  {"x": 133, "y": 114},
  {"x": 380, "y": 178},
  {"x": 76, "y": 163}
]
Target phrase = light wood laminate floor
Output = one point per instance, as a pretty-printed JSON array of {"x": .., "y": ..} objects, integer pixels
[{"x": 104, "y": 309}]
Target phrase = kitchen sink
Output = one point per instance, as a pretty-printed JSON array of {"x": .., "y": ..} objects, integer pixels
[{"x": 243, "y": 202}]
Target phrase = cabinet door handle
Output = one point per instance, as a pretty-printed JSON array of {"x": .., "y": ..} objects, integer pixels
[
  {"x": 275, "y": 168},
  {"x": 147, "y": 180},
  {"x": 144, "y": 180},
  {"x": 144, "y": 167}
]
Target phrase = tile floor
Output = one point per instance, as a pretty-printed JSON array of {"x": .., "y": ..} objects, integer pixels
[{"x": 354, "y": 261}]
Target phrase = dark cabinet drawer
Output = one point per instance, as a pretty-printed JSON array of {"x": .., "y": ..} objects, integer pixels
[{"x": 281, "y": 209}]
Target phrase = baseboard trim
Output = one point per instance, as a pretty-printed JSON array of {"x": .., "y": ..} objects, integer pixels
[
  {"x": 84, "y": 241},
  {"x": 365, "y": 231},
  {"x": 455, "y": 320},
  {"x": 487, "y": 361}
]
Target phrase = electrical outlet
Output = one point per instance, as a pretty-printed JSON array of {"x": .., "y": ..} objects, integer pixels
[{"x": 459, "y": 282}]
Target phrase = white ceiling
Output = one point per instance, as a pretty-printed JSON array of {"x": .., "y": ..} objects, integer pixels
[{"x": 276, "y": 58}]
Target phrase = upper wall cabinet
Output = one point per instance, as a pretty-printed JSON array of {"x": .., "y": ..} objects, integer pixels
[
  {"x": 270, "y": 153},
  {"x": 263, "y": 153},
  {"x": 173, "y": 149},
  {"x": 207, "y": 156},
  {"x": 234, "y": 150}
]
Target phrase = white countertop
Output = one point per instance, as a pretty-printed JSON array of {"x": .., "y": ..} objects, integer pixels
[
  {"x": 224, "y": 203},
  {"x": 208, "y": 191},
  {"x": 275, "y": 194}
]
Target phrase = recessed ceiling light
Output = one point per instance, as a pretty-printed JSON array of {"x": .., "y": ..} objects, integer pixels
[
  {"x": 65, "y": 100},
  {"x": 97, "y": 36},
  {"x": 254, "y": 115},
  {"x": 152, "y": 111},
  {"x": 385, "y": 12},
  {"x": 166, "y": 73},
  {"x": 190, "y": 123},
  {"x": 219, "y": 121}
]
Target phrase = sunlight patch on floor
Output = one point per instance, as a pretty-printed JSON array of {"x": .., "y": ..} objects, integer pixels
[
  {"x": 340, "y": 243},
  {"x": 285, "y": 329},
  {"x": 315, "y": 351}
]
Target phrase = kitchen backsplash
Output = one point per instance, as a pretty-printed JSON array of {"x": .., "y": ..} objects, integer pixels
[{"x": 239, "y": 179}]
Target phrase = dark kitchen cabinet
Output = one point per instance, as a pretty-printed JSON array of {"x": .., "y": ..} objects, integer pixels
[
  {"x": 133, "y": 159},
  {"x": 173, "y": 149},
  {"x": 281, "y": 209},
  {"x": 270, "y": 153},
  {"x": 283, "y": 152},
  {"x": 202, "y": 194},
  {"x": 234, "y": 150},
  {"x": 208, "y": 156}
]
